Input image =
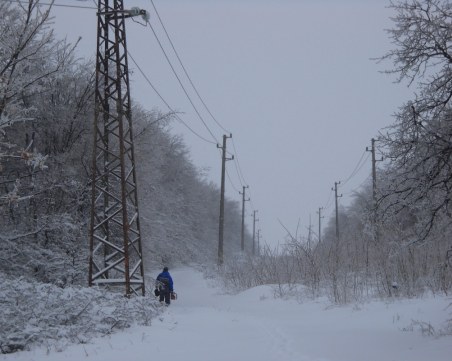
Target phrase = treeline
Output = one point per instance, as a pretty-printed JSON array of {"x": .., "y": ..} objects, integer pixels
[
  {"x": 398, "y": 243},
  {"x": 46, "y": 121}
]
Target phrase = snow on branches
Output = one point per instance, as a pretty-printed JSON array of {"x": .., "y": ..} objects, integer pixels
[{"x": 43, "y": 314}]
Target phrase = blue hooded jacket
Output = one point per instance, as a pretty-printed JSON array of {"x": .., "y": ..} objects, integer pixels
[{"x": 165, "y": 274}]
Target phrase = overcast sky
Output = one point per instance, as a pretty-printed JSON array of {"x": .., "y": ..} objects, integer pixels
[{"x": 293, "y": 81}]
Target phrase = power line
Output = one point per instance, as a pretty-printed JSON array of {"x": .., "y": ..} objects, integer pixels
[
  {"x": 180, "y": 82},
  {"x": 139, "y": 68},
  {"x": 145, "y": 77},
  {"x": 238, "y": 174},
  {"x": 238, "y": 163},
  {"x": 251, "y": 201},
  {"x": 227, "y": 173},
  {"x": 327, "y": 204},
  {"x": 165, "y": 102},
  {"x": 242, "y": 183},
  {"x": 359, "y": 186},
  {"x": 230, "y": 181},
  {"x": 185, "y": 70},
  {"x": 357, "y": 168},
  {"x": 241, "y": 178},
  {"x": 51, "y": 4}
]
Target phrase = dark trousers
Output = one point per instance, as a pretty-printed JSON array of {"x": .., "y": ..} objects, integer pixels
[{"x": 165, "y": 295}]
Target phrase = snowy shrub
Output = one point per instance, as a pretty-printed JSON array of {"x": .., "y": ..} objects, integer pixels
[
  {"x": 44, "y": 314},
  {"x": 244, "y": 272}
]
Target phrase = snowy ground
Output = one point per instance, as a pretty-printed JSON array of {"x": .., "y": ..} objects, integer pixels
[{"x": 206, "y": 325}]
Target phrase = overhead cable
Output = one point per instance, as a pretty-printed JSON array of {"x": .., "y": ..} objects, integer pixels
[
  {"x": 180, "y": 83},
  {"x": 165, "y": 102},
  {"x": 51, "y": 4},
  {"x": 356, "y": 189},
  {"x": 357, "y": 168},
  {"x": 230, "y": 181},
  {"x": 327, "y": 204},
  {"x": 238, "y": 163},
  {"x": 238, "y": 173},
  {"x": 185, "y": 70}
]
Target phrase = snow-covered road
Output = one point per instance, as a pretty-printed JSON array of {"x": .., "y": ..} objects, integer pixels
[{"x": 204, "y": 324}]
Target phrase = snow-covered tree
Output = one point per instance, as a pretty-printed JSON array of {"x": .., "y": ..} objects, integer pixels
[
  {"x": 29, "y": 58},
  {"x": 418, "y": 143}
]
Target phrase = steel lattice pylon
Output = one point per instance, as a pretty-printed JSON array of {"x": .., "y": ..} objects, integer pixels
[{"x": 115, "y": 256}]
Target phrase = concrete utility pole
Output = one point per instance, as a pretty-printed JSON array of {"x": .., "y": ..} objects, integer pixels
[
  {"x": 320, "y": 223},
  {"x": 254, "y": 232},
  {"x": 223, "y": 173},
  {"x": 115, "y": 254},
  {"x": 374, "y": 171},
  {"x": 242, "y": 239},
  {"x": 337, "y": 209},
  {"x": 374, "y": 185}
]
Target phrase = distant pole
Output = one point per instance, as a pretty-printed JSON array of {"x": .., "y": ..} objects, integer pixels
[
  {"x": 320, "y": 223},
  {"x": 254, "y": 232},
  {"x": 242, "y": 238},
  {"x": 374, "y": 185},
  {"x": 337, "y": 209},
  {"x": 374, "y": 171},
  {"x": 223, "y": 172}
]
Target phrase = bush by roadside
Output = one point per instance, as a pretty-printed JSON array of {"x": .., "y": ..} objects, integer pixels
[{"x": 47, "y": 315}]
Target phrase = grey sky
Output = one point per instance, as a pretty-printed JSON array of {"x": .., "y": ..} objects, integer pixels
[{"x": 292, "y": 80}]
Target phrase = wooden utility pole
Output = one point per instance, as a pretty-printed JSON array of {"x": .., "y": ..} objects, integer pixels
[
  {"x": 242, "y": 238},
  {"x": 337, "y": 209},
  {"x": 115, "y": 253},
  {"x": 320, "y": 223},
  {"x": 223, "y": 174}
]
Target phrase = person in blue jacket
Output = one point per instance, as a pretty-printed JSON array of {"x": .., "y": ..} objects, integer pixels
[{"x": 165, "y": 286}]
